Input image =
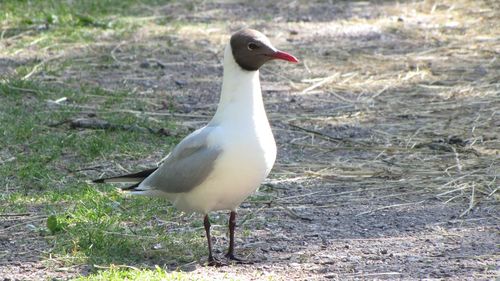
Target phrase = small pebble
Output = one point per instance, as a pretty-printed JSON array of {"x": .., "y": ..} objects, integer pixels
[{"x": 180, "y": 83}]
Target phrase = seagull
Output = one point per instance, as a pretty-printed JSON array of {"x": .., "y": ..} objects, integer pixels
[{"x": 216, "y": 167}]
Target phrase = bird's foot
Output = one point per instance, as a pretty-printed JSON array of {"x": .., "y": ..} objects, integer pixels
[
  {"x": 234, "y": 259},
  {"x": 215, "y": 262}
]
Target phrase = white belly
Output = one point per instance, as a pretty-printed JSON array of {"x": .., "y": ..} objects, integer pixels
[{"x": 238, "y": 172}]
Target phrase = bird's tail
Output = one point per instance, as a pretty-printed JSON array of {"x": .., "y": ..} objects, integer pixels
[{"x": 135, "y": 178}]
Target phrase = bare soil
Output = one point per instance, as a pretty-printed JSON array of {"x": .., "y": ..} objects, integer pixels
[{"x": 387, "y": 170}]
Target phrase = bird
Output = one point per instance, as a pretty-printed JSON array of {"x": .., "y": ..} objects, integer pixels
[{"x": 216, "y": 167}]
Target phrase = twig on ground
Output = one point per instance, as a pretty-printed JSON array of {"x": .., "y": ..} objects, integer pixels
[
  {"x": 459, "y": 178},
  {"x": 36, "y": 67},
  {"x": 413, "y": 135},
  {"x": 93, "y": 110},
  {"x": 390, "y": 206},
  {"x": 31, "y": 91},
  {"x": 16, "y": 214},
  {"x": 291, "y": 212},
  {"x": 349, "y": 76},
  {"x": 493, "y": 192},
  {"x": 112, "y": 53},
  {"x": 322, "y": 135},
  {"x": 341, "y": 98},
  {"x": 98, "y": 124},
  {"x": 457, "y": 160},
  {"x": 471, "y": 202},
  {"x": 307, "y": 67},
  {"x": 364, "y": 274},
  {"x": 19, "y": 35},
  {"x": 35, "y": 219},
  {"x": 320, "y": 83},
  {"x": 58, "y": 101},
  {"x": 453, "y": 198},
  {"x": 462, "y": 187},
  {"x": 380, "y": 92}
]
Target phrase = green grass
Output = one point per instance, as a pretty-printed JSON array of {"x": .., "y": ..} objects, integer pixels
[
  {"x": 48, "y": 24},
  {"x": 89, "y": 224},
  {"x": 83, "y": 223},
  {"x": 45, "y": 165},
  {"x": 117, "y": 273},
  {"x": 105, "y": 227},
  {"x": 31, "y": 135},
  {"x": 57, "y": 15},
  {"x": 50, "y": 164}
]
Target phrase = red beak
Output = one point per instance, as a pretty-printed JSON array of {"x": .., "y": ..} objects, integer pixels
[{"x": 284, "y": 56}]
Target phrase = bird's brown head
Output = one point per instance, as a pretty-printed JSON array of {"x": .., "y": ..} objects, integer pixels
[{"x": 251, "y": 49}]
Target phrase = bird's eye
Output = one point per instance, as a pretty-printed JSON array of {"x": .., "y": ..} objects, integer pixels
[{"x": 252, "y": 46}]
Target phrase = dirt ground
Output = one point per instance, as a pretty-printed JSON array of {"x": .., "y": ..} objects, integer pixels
[{"x": 387, "y": 132}]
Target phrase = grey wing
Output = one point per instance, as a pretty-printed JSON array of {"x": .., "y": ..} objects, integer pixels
[{"x": 187, "y": 166}]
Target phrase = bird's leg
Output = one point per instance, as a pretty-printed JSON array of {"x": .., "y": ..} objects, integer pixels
[
  {"x": 211, "y": 260},
  {"x": 232, "y": 226}
]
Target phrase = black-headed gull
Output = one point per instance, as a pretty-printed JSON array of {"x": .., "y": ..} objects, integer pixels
[{"x": 220, "y": 165}]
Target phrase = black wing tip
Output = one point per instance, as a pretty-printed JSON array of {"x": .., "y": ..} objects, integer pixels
[
  {"x": 140, "y": 176},
  {"x": 99, "y": 181}
]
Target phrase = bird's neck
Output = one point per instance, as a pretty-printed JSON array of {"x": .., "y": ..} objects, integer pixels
[{"x": 241, "y": 96}]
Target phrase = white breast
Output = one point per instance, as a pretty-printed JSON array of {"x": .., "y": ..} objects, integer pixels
[
  {"x": 244, "y": 135},
  {"x": 245, "y": 162}
]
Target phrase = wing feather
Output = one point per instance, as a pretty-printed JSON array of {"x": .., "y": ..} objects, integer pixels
[{"x": 187, "y": 166}]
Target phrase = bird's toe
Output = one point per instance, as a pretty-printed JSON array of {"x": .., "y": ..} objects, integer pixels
[
  {"x": 215, "y": 262},
  {"x": 233, "y": 259}
]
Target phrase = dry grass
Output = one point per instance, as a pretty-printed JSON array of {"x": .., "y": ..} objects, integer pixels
[
  {"x": 392, "y": 112},
  {"x": 425, "y": 81}
]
